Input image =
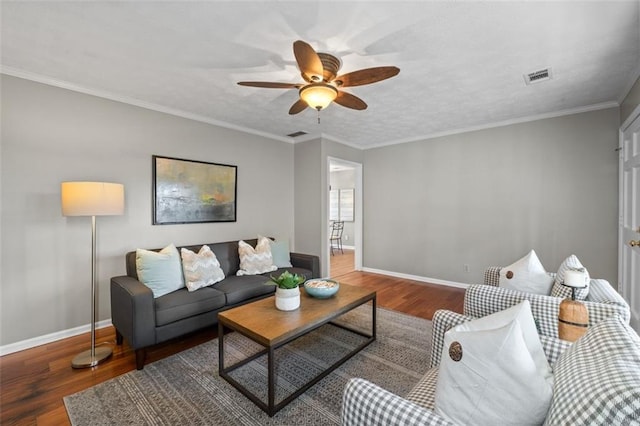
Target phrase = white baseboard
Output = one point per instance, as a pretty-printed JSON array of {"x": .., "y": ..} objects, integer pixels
[
  {"x": 416, "y": 278},
  {"x": 52, "y": 337}
]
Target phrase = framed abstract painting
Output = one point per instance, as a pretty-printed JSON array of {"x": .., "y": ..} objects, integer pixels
[{"x": 189, "y": 191}]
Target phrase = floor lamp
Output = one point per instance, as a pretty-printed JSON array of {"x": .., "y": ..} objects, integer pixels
[{"x": 92, "y": 199}]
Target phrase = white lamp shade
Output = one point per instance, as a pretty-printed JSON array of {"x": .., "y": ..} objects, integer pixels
[{"x": 92, "y": 198}]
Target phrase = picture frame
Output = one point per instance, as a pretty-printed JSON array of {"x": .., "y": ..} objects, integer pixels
[{"x": 192, "y": 191}]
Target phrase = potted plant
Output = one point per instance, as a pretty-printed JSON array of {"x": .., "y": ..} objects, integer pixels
[{"x": 287, "y": 291}]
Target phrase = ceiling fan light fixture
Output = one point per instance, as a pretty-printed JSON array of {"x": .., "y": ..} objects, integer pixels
[{"x": 318, "y": 95}]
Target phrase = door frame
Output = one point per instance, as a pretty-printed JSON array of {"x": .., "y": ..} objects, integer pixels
[
  {"x": 624, "y": 288},
  {"x": 358, "y": 216}
]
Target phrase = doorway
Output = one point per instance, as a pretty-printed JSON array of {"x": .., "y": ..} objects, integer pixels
[
  {"x": 345, "y": 208},
  {"x": 629, "y": 218}
]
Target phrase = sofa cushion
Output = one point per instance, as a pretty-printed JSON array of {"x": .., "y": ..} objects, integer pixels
[
  {"x": 597, "y": 379},
  {"x": 559, "y": 290},
  {"x": 526, "y": 274},
  {"x": 258, "y": 260},
  {"x": 239, "y": 289},
  {"x": 200, "y": 269},
  {"x": 280, "y": 253},
  {"x": 183, "y": 303},
  {"x": 160, "y": 271},
  {"x": 492, "y": 363}
]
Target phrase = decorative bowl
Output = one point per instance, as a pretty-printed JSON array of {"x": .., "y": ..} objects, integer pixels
[{"x": 321, "y": 288}]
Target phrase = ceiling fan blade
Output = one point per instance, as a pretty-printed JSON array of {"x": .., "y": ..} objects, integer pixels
[
  {"x": 350, "y": 101},
  {"x": 270, "y": 85},
  {"x": 365, "y": 76},
  {"x": 299, "y": 106},
  {"x": 308, "y": 61}
]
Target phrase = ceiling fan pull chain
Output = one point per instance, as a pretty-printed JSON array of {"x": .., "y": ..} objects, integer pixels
[{"x": 318, "y": 116}]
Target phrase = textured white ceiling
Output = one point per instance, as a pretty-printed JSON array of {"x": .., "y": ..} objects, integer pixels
[{"x": 461, "y": 62}]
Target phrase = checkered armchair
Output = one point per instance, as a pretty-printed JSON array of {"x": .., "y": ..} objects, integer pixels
[
  {"x": 602, "y": 302},
  {"x": 596, "y": 379}
]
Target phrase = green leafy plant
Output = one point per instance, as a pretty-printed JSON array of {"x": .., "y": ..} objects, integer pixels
[{"x": 287, "y": 280}]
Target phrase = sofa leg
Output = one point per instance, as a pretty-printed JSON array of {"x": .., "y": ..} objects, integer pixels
[
  {"x": 119, "y": 338},
  {"x": 140, "y": 356}
]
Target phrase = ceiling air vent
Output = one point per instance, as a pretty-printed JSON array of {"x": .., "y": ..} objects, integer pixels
[
  {"x": 296, "y": 134},
  {"x": 538, "y": 76}
]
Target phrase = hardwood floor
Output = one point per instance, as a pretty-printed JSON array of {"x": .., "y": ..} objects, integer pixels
[{"x": 33, "y": 382}]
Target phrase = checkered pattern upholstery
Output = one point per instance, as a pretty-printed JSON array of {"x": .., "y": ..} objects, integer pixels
[
  {"x": 424, "y": 393},
  {"x": 365, "y": 404},
  {"x": 443, "y": 321},
  {"x": 483, "y": 300},
  {"x": 600, "y": 291},
  {"x": 597, "y": 380}
]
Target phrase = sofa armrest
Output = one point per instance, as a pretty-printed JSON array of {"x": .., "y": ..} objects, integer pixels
[
  {"x": 306, "y": 261},
  {"x": 492, "y": 275},
  {"x": 133, "y": 311},
  {"x": 365, "y": 404},
  {"x": 443, "y": 321},
  {"x": 482, "y": 300}
]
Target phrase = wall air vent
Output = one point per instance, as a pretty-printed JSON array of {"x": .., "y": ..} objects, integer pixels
[
  {"x": 538, "y": 76},
  {"x": 296, "y": 134}
]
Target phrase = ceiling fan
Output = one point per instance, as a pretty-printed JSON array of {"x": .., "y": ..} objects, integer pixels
[{"x": 322, "y": 83}]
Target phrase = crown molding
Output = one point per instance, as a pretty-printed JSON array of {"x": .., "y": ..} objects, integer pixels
[
  {"x": 15, "y": 72},
  {"x": 635, "y": 76},
  {"x": 526, "y": 119}
]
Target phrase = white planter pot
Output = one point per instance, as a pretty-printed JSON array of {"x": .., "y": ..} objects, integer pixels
[{"x": 287, "y": 299}]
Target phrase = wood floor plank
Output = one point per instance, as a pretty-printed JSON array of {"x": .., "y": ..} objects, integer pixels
[{"x": 33, "y": 382}]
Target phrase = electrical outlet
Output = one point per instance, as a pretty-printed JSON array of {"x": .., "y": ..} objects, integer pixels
[{"x": 466, "y": 267}]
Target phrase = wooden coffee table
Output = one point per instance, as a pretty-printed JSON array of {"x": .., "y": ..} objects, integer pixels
[{"x": 261, "y": 322}]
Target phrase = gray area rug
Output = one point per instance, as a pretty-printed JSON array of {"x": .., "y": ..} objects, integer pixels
[{"x": 185, "y": 389}]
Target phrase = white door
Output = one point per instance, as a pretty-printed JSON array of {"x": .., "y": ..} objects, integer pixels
[{"x": 629, "y": 224}]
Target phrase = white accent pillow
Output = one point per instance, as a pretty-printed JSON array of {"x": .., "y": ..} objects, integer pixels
[
  {"x": 571, "y": 262},
  {"x": 200, "y": 269},
  {"x": 501, "y": 376},
  {"x": 528, "y": 275},
  {"x": 160, "y": 271},
  {"x": 255, "y": 261}
]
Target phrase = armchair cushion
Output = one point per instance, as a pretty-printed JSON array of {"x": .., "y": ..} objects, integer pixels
[{"x": 597, "y": 380}]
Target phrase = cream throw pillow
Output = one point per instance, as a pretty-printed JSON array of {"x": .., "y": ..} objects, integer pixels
[
  {"x": 494, "y": 371},
  {"x": 160, "y": 271},
  {"x": 200, "y": 269},
  {"x": 528, "y": 275},
  {"x": 255, "y": 261}
]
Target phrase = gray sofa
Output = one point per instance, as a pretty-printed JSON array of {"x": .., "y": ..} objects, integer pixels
[{"x": 144, "y": 321}]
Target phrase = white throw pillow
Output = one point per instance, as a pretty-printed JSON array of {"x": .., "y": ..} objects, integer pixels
[
  {"x": 255, "y": 261},
  {"x": 494, "y": 371},
  {"x": 571, "y": 262},
  {"x": 528, "y": 275},
  {"x": 160, "y": 271},
  {"x": 200, "y": 269}
]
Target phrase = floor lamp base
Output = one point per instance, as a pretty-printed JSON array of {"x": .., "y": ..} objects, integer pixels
[{"x": 85, "y": 360}]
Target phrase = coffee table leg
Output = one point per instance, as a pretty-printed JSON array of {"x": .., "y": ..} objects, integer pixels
[
  {"x": 271, "y": 380},
  {"x": 220, "y": 348}
]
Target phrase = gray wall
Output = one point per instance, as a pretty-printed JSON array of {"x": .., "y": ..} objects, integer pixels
[
  {"x": 487, "y": 197},
  {"x": 50, "y": 135},
  {"x": 630, "y": 102},
  {"x": 312, "y": 194}
]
